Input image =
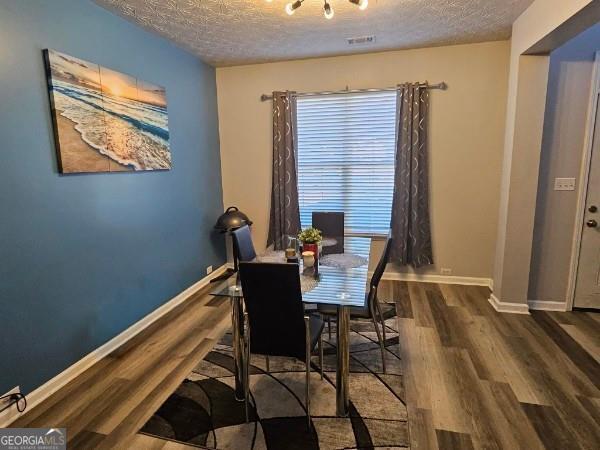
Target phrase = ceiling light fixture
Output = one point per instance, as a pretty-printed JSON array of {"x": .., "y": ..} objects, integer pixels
[
  {"x": 291, "y": 8},
  {"x": 362, "y": 4},
  {"x": 328, "y": 12}
]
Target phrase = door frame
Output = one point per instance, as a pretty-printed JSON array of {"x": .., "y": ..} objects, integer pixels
[{"x": 584, "y": 176}]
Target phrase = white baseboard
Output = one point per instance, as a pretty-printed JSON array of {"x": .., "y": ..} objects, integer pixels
[
  {"x": 50, "y": 387},
  {"x": 443, "y": 279},
  {"x": 506, "y": 307},
  {"x": 545, "y": 305}
]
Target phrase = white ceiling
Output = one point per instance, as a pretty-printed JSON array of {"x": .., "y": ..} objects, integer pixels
[{"x": 232, "y": 32}]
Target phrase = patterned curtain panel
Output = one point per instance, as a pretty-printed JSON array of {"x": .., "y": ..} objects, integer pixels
[
  {"x": 410, "y": 208},
  {"x": 285, "y": 211}
]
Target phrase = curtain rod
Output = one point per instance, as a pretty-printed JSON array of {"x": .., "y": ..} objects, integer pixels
[{"x": 442, "y": 86}]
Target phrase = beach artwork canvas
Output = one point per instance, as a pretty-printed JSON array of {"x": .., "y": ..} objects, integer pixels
[{"x": 105, "y": 121}]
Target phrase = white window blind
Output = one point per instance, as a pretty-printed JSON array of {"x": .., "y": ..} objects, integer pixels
[{"x": 346, "y": 148}]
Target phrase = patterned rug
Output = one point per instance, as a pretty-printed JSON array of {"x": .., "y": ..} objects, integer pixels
[{"x": 203, "y": 410}]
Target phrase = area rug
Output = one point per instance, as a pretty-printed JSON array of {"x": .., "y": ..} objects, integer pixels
[{"x": 203, "y": 411}]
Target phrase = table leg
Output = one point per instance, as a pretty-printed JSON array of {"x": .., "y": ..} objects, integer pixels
[
  {"x": 237, "y": 326},
  {"x": 343, "y": 361}
]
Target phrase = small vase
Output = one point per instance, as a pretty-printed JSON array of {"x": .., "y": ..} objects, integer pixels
[
  {"x": 306, "y": 247},
  {"x": 309, "y": 259}
]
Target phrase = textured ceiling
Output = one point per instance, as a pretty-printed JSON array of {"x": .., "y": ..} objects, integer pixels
[{"x": 232, "y": 32}]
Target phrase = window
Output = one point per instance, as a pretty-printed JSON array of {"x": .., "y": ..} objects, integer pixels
[{"x": 346, "y": 148}]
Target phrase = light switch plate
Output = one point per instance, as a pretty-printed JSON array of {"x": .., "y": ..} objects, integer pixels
[{"x": 564, "y": 184}]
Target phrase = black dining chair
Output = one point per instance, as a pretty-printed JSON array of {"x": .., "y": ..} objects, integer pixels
[
  {"x": 331, "y": 225},
  {"x": 243, "y": 247},
  {"x": 371, "y": 309},
  {"x": 275, "y": 321}
]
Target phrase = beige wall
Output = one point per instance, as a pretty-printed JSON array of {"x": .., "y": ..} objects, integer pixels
[
  {"x": 467, "y": 131},
  {"x": 567, "y": 104},
  {"x": 511, "y": 272}
]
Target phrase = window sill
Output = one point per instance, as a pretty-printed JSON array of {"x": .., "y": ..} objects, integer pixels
[{"x": 373, "y": 236}]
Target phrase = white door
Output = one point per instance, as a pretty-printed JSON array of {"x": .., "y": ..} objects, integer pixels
[{"x": 587, "y": 286}]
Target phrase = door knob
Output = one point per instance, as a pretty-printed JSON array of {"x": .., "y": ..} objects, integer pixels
[
  {"x": 592, "y": 223},
  {"x": 593, "y": 209}
]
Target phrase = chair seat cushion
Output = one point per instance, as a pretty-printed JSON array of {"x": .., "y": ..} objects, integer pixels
[{"x": 361, "y": 312}]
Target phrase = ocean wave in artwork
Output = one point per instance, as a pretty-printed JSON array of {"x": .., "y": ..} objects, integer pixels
[{"x": 133, "y": 133}]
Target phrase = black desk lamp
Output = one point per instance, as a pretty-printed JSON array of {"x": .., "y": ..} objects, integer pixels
[{"x": 230, "y": 220}]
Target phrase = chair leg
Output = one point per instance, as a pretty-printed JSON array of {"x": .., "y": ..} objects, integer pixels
[
  {"x": 381, "y": 346},
  {"x": 246, "y": 369},
  {"x": 267, "y": 363},
  {"x": 308, "y": 393},
  {"x": 381, "y": 318},
  {"x": 329, "y": 327},
  {"x": 247, "y": 385},
  {"x": 307, "y": 362},
  {"x": 321, "y": 354}
]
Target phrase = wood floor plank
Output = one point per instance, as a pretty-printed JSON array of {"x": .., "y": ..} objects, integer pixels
[
  {"x": 471, "y": 396},
  {"x": 416, "y": 374},
  {"x": 511, "y": 426},
  {"x": 420, "y": 306},
  {"x": 550, "y": 428},
  {"x": 563, "y": 401},
  {"x": 593, "y": 315},
  {"x": 145, "y": 442},
  {"x": 443, "y": 317},
  {"x": 592, "y": 406},
  {"x": 565, "y": 369},
  {"x": 49, "y": 409},
  {"x": 444, "y": 391},
  {"x": 533, "y": 340},
  {"x": 147, "y": 382},
  {"x": 500, "y": 361},
  {"x": 582, "y": 359},
  {"x": 85, "y": 439},
  {"x": 101, "y": 404},
  {"x": 136, "y": 418},
  {"x": 450, "y": 440},
  {"x": 450, "y": 295},
  {"x": 588, "y": 343},
  {"x": 399, "y": 293},
  {"x": 422, "y": 431}
]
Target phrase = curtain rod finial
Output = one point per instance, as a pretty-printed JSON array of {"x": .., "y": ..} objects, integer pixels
[
  {"x": 265, "y": 97},
  {"x": 443, "y": 86}
]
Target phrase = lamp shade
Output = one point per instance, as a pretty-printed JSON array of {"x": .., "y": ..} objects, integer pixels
[{"x": 232, "y": 219}]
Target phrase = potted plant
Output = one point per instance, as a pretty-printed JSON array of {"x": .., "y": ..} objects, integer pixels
[{"x": 311, "y": 238}]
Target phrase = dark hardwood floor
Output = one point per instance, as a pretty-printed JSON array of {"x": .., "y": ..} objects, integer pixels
[
  {"x": 106, "y": 405},
  {"x": 473, "y": 378}
]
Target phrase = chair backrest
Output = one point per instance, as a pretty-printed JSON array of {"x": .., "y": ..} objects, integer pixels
[
  {"x": 275, "y": 311},
  {"x": 242, "y": 244},
  {"x": 332, "y": 226},
  {"x": 380, "y": 269}
]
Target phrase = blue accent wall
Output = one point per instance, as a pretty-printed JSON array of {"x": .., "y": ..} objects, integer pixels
[{"x": 82, "y": 257}]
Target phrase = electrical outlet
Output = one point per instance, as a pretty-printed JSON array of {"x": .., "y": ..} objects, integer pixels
[
  {"x": 208, "y": 270},
  {"x": 446, "y": 271},
  {"x": 5, "y": 401}
]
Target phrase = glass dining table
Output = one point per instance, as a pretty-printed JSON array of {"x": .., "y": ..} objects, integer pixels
[{"x": 343, "y": 287}]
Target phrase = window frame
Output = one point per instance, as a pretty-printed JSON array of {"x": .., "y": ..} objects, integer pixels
[{"x": 373, "y": 234}]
